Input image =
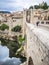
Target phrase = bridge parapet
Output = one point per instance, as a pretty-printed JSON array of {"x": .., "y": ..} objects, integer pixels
[{"x": 37, "y": 45}]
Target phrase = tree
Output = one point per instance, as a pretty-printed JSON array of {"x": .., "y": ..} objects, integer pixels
[
  {"x": 42, "y": 6},
  {"x": 36, "y": 6},
  {"x": 16, "y": 28},
  {"x": 31, "y": 7},
  {"x": 45, "y": 6},
  {"x": 3, "y": 27}
]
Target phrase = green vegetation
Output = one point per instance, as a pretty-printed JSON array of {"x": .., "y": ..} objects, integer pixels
[
  {"x": 41, "y": 6},
  {"x": 20, "y": 39},
  {"x": 36, "y": 6},
  {"x": 16, "y": 28},
  {"x": 45, "y": 6},
  {"x": 15, "y": 47},
  {"x": 31, "y": 7},
  {"x": 3, "y": 27}
]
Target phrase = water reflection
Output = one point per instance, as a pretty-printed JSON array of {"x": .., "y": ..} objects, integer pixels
[{"x": 4, "y": 57}]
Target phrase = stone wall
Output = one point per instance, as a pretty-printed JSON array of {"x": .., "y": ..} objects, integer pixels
[{"x": 37, "y": 45}]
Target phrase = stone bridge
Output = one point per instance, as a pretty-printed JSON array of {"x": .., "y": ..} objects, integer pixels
[{"x": 37, "y": 45}]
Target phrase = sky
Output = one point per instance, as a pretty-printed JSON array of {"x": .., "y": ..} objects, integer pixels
[{"x": 16, "y": 5}]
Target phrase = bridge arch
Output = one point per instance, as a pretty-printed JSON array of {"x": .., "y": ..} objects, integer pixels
[{"x": 30, "y": 61}]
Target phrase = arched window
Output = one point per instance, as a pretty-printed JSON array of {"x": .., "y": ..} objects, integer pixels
[
  {"x": 28, "y": 16},
  {"x": 30, "y": 62}
]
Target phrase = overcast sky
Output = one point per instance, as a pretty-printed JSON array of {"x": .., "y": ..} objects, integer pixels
[{"x": 16, "y": 5}]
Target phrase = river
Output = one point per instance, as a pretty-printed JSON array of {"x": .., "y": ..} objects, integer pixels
[{"x": 5, "y": 59}]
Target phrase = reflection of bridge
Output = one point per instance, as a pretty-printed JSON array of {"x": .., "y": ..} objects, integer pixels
[{"x": 37, "y": 44}]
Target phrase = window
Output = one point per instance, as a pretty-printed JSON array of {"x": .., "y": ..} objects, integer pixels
[
  {"x": 14, "y": 20},
  {"x": 47, "y": 22},
  {"x": 42, "y": 22},
  {"x": 5, "y": 21}
]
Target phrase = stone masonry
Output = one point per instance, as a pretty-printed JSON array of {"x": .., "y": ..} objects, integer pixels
[{"x": 37, "y": 45}]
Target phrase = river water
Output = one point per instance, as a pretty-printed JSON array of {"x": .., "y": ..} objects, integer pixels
[{"x": 4, "y": 57}]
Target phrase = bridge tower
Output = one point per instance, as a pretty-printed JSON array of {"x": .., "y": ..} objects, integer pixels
[{"x": 27, "y": 17}]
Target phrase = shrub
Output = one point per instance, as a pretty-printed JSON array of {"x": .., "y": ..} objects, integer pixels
[
  {"x": 3, "y": 27},
  {"x": 16, "y": 28}
]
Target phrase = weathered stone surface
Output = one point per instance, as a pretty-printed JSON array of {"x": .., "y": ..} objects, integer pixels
[{"x": 37, "y": 45}]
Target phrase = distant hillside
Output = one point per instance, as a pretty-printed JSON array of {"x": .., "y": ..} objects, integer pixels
[{"x": 5, "y": 12}]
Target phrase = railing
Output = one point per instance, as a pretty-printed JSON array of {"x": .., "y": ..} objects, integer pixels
[{"x": 39, "y": 32}]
